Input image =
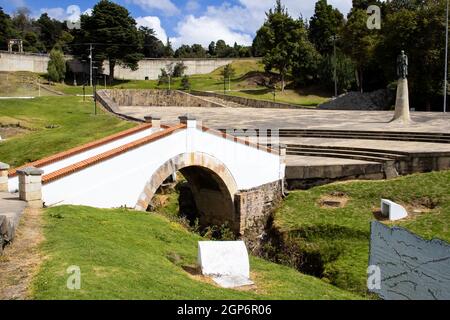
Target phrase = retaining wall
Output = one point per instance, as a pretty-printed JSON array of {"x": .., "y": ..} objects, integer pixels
[
  {"x": 156, "y": 98},
  {"x": 251, "y": 103}
]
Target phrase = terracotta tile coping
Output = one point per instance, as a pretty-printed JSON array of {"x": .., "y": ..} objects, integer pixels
[
  {"x": 125, "y": 148},
  {"x": 109, "y": 154},
  {"x": 77, "y": 150}
]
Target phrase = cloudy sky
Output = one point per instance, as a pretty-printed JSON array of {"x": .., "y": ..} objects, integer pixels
[{"x": 185, "y": 22}]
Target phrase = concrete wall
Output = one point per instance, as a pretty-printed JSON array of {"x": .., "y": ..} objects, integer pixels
[
  {"x": 245, "y": 102},
  {"x": 150, "y": 68},
  {"x": 411, "y": 267},
  {"x": 120, "y": 180},
  {"x": 23, "y": 62}
]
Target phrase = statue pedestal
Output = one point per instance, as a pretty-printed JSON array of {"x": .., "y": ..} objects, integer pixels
[{"x": 402, "y": 102}]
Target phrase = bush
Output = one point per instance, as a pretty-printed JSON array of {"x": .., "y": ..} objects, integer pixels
[
  {"x": 178, "y": 70},
  {"x": 185, "y": 84},
  {"x": 56, "y": 66},
  {"x": 163, "y": 77}
]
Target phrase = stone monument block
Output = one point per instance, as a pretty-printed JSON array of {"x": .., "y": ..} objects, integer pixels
[
  {"x": 226, "y": 262},
  {"x": 393, "y": 210}
]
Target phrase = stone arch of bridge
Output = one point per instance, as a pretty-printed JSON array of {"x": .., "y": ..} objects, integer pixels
[{"x": 211, "y": 182}]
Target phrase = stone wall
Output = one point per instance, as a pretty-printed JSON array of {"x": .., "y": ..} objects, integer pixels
[
  {"x": 245, "y": 102},
  {"x": 255, "y": 207},
  {"x": 410, "y": 267},
  {"x": 377, "y": 100},
  {"x": 157, "y": 98}
]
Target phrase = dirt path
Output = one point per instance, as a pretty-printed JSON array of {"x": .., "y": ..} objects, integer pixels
[{"x": 22, "y": 258}]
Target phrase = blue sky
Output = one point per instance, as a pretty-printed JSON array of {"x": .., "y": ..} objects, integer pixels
[{"x": 188, "y": 21}]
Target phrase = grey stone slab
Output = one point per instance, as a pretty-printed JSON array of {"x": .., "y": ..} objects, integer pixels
[{"x": 411, "y": 268}]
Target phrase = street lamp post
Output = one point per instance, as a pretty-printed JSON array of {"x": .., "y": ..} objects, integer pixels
[
  {"x": 334, "y": 39},
  {"x": 446, "y": 61},
  {"x": 95, "y": 89}
]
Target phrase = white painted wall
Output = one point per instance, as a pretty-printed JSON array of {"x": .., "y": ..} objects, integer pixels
[
  {"x": 120, "y": 181},
  {"x": 150, "y": 68},
  {"x": 23, "y": 62},
  {"x": 13, "y": 183}
]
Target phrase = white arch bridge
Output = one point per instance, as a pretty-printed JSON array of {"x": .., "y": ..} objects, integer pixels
[{"x": 232, "y": 180}]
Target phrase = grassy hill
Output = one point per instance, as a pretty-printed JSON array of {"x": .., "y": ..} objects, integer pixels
[
  {"x": 131, "y": 255},
  {"x": 245, "y": 83},
  {"x": 334, "y": 242},
  {"x": 47, "y": 125}
]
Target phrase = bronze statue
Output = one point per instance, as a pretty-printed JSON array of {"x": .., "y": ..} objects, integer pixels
[{"x": 402, "y": 65}]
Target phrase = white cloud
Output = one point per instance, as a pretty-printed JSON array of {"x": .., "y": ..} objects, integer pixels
[
  {"x": 205, "y": 29},
  {"x": 239, "y": 22},
  {"x": 155, "y": 24},
  {"x": 165, "y": 6},
  {"x": 55, "y": 13}
]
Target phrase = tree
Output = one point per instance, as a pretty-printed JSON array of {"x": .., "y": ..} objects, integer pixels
[
  {"x": 152, "y": 46},
  {"x": 50, "y": 31},
  {"x": 184, "y": 51},
  {"x": 168, "y": 50},
  {"x": 185, "y": 83},
  {"x": 56, "y": 66},
  {"x": 178, "y": 70},
  {"x": 227, "y": 73},
  {"x": 345, "y": 71},
  {"x": 6, "y": 29},
  {"x": 325, "y": 23},
  {"x": 418, "y": 27},
  {"x": 114, "y": 31},
  {"x": 198, "y": 51},
  {"x": 359, "y": 43},
  {"x": 212, "y": 49},
  {"x": 305, "y": 63},
  {"x": 280, "y": 37},
  {"x": 163, "y": 78}
]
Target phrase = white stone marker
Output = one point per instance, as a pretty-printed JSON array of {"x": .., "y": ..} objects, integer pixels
[
  {"x": 226, "y": 262},
  {"x": 393, "y": 210}
]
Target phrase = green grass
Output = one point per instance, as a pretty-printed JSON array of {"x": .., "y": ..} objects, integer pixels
[
  {"x": 241, "y": 85},
  {"x": 131, "y": 255},
  {"x": 341, "y": 236},
  {"x": 73, "y": 121}
]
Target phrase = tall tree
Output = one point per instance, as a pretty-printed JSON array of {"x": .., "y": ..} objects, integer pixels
[
  {"x": 360, "y": 43},
  {"x": 326, "y": 22},
  {"x": 113, "y": 31},
  {"x": 152, "y": 46},
  {"x": 6, "y": 29},
  {"x": 56, "y": 66},
  {"x": 168, "y": 50},
  {"x": 212, "y": 49},
  {"x": 50, "y": 31},
  {"x": 280, "y": 37}
]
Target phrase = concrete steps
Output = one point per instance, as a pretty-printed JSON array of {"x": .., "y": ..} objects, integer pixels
[
  {"x": 360, "y": 135},
  {"x": 362, "y": 154},
  {"x": 365, "y": 135}
]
